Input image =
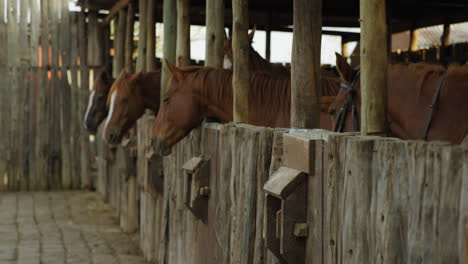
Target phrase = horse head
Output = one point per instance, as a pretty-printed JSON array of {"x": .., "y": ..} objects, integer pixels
[
  {"x": 181, "y": 111},
  {"x": 228, "y": 57},
  {"x": 96, "y": 110},
  {"x": 348, "y": 98},
  {"x": 126, "y": 104}
]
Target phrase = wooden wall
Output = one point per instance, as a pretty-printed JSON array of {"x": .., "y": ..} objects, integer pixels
[
  {"x": 44, "y": 89},
  {"x": 370, "y": 199}
]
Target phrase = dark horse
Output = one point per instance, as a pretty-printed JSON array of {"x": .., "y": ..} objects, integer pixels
[
  {"x": 198, "y": 92},
  {"x": 128, "y": 98},
  {"x": 411, "y": 91},
  {"x": 97, "y": 110}
]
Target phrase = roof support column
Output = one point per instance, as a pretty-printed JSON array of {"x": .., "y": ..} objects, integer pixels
[
  {"x": 170, "y": 38},
  {"x": 214, "y": 51},
  {"x": 241, "y": 74},
  {"x": 374, "y": 65},
  {"x": 305, "y": 64}
]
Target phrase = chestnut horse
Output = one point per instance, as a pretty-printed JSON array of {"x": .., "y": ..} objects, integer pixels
[
  {"x": 198, "y": 92},
  {"x": 97, "y": 110},
  {"x": 128, "y": 98},
  {"x": 256, "y": 62},
  {"x": 410, "y": 93}
]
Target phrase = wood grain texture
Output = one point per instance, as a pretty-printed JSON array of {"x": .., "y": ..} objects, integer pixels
[
  {"x": 170, "y": 40},
  {"x": 150, "y": 36},
  {"x": 215, "y": 33},
  {"x": 141, "y": 57},
  {"x": 183, "y": 33},
  {"x": 240, "y": 51},
  {"x": 129, "y": 28},
  {"x": 305, "y": 64},
  {"x": 374, "y": 65}
]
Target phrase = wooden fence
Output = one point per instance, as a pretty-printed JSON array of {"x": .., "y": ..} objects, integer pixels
[
  {"x": 352, "y": 199},
  {"x": 44, "y": 82}
]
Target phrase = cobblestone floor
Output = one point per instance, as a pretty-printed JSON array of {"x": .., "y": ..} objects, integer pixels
[{"x": 62, "y": 227}]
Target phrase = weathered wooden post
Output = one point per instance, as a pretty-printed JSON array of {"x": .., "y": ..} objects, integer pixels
[
  {"x": 215, "y": 33},
  {"x": 141, "y": 57},
  {"x": 150, "y": 36},
  {"x": 373, "y": 67},
  {"x": 119, "y": 43},
  {"x": 305, "y": 64},
  {"x": 268, "y": 44},
  {"x": 445, "y": 38},
  {"x": 413, "y": 43},
  {"x": 129, "y": 38},
  {"x": 170, "y": 38},
  {"x": 241, "y": 74},
  {"x": 183, "y": 33}
]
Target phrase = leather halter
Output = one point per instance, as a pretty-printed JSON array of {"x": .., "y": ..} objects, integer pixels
[
  {"x": 433, "y": 106},
  {"x": 350, "y": 101}
]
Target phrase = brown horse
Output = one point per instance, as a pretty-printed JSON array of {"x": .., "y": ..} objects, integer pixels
[
  {"x": 197, "y": 92},
  {"x": 128, "y": 98},
  {"x": 411, "y": 89},
  {"x": 256, "y": 62},
  {"x": 97, "y": 110}
]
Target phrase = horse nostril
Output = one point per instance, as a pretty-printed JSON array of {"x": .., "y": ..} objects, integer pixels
[{"x": 332, "y": 111}]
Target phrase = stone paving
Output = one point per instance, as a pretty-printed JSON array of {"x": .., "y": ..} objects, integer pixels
[{"x": 62, "y": 227}]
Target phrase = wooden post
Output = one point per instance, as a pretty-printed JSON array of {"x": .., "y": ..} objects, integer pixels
[
  {"x": 151, "y": 37},
  {"x": 268, "y": 44},
  {"x": 344, "y": 49},
  {"x": 373, "y": 67},
  {"x": 129, "y": 38},
  {"x": 240, "y": 48},
  {"x": 214, "y": 52},
  {"x": 183, "y": 33},
  {"x": 305, "y": 64},
  {"x": 119, "y": 46},
  {"x": 141, "y": 64},
  {"x": 413, "y": 43},
  {"x": 445, "y": 38},
  {"x": 170, "y": 38},
  {"x": 95, "y": 57},
  {"x": 268, "y": 37}
]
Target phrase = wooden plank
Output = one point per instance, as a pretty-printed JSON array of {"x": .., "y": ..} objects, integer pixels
[
  {"x": 121, "y": 4},
  {"x": 140, "y": 63},
  {"x": 170, "y": 37},
  {"x": 305, "y": 64},
  {"x": 463, "y": 225},
  {"x": 183, "y": 33},
  {"x": 373, "y": 66},
  {"x": 215, "y": 33},
  {"x": 4, "y": 100},
  {"x": 150, "y": 21},
  {"x": 65, "y": 34},
  {"x": 355, "y": 199},
  {"x": 129, "y": 38}
]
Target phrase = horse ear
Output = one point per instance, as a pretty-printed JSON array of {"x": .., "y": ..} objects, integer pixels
[
  {"x": 344, "y": 69},
  {"x": 175, "y": 72},
  {"x": 252, "y": 33}
]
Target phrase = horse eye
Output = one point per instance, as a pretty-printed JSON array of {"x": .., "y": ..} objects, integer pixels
[{"x": 166, "y": 100}]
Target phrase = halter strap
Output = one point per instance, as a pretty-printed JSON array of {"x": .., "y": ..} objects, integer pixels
[
  {"x": 350, "y": 101},
  {"x": 433, "y": 106}
]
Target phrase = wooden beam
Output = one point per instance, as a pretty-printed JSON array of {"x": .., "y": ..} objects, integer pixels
[
  {"x": 183, "y": 33},
  {"x": 373, "y": 67},
  {"x": 240, "y": 48},
  {"x": 170, "y": 38},
  {"x": 141, "y": 58},
  {"x": 119, "y": 43},
  {"x": 129, "y": 38},
  {"x": 151, "y": 36},
  {"x": 121, "y": 4},
  {"x": 214, "y": 51},
  {"x": 305, "y": 64}
]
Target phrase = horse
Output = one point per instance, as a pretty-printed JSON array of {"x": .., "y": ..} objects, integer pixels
[
  {"x": 96, "y": 111},
  {"x": 195, "y": 93},
  {"x": 256, "y": 62},
  {"x": 128, "y": 98},
  {"x": 412, "y": 90}
]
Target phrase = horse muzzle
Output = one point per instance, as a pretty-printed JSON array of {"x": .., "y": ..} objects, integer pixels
[{"x": 159, "y": 146}]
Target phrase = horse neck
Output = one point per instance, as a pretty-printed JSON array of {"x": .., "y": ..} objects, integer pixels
[
  {"x": 257, "y": 62},
  {"x": 215, "y": 94},
  {"x": 150, "y": 85}
]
